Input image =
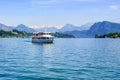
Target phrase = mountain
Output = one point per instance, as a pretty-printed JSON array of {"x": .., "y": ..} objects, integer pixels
[
  {"x": 67, "y": 27},
  {"x": 78, "y": 34},
  {"x": 20, "y": 27},
  {"x": 104, "y": 27},
  {"x": 87, "y": 30},
  {"x": 25, "y": 28},
  {"x": 52, "y": 29},
  {"x": 86, "y": 26},
  {"x": 4, "y": 27},
  {"x": 70, "y": 27},
  {"x": 97, "y": 28}
]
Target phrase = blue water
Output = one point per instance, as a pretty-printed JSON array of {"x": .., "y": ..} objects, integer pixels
[{"x": 65, "y": 59}]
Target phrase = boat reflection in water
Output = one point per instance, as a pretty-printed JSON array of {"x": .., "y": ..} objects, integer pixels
[{"x": 42, "y": 37}]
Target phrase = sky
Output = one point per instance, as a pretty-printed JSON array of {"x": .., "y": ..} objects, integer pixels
[{"x": 40, "y": 13}]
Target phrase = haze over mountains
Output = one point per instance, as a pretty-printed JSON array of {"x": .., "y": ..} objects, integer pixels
[
  {"x": 67, "y": 27},
  {"x": 87, "y": 30}
]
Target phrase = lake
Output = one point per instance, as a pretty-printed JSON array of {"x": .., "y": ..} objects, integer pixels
[{"x": 65, "y": 59}]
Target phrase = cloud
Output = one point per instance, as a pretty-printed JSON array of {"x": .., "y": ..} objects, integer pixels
[
  {"x": 37, "y": 26},
  {"x": 114, "y": 7},
  {"x": 59, "y": 26},
  {"x": 43, "y": 26}
]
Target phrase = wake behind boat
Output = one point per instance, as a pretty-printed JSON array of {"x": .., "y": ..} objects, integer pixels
[{"x": 42, "y": 37}]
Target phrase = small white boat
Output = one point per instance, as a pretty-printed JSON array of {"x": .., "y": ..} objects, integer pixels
[{"x": 42, "y": 37}]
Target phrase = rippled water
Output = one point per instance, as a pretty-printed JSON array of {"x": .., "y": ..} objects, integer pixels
[{"x": 65, "y": 59}]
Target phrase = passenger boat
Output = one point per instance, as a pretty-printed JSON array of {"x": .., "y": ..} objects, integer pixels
[{"x": 42, "y": 37}]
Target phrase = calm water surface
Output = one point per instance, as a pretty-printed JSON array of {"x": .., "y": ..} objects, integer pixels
[{"x": 65, "y": 59}]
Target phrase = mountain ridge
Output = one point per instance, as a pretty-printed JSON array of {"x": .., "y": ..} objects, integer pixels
[
  {"x": 78, "y": 31},
  {"x": 20, "y": 27},
  {"x": 98, "y": 28},
  {"x": 67, "y": 27}
]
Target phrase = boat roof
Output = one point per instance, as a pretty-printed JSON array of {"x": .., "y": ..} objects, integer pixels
[{"x": 40, "y": 32}]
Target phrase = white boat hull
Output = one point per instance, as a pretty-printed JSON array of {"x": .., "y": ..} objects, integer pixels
[{"x": 42, "y": 41}]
